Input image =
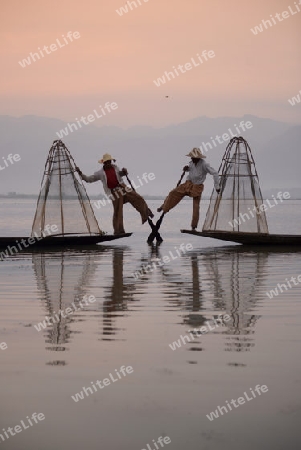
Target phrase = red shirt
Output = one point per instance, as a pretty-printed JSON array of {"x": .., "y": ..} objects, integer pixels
[{"x": 112, "y": 181}]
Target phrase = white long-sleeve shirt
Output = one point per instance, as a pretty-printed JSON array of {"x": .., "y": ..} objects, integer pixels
[
  {"x": 100, "y": 175},
  {"x": 198, "y": 172}
]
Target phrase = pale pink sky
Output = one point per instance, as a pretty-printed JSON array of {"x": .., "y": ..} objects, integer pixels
[{"x": 117, "y": 58}]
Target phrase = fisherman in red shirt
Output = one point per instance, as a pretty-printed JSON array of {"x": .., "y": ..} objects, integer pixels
[{"x": 110, "y": 176}]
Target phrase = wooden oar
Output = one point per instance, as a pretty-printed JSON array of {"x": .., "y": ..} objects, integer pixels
[
  {"x": 179, "y": 182},
  {"x": 130, "y": 183},
  {"x": 155, "y": 230},
  {"x": 154, "y": 234}
]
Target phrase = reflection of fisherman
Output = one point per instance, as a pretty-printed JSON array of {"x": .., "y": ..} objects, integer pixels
[
  {"x": 118, "y": 192},
  {"x": 193, "y": 186}
]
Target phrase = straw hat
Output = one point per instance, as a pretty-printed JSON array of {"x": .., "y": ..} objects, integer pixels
[
  {"x": 196, "y": 153},
  {"x": 106, "y": 157}
]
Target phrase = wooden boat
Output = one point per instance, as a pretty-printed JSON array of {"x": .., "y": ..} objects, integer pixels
[
  {"x": 58, "y": 241},
  {"x": 239, "y": 195},
  {"x": 247, "y": 238}
]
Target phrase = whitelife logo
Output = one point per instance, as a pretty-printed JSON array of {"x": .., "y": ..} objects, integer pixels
[
  {"x": 124, "y": 9},
  {"x": 280, "y": 17},
  {"x": 199, "y": 332},
  {"x": 49, "y": 229},
  {"x": 243, "y": 126},
  {"x": 90, "y": 118},
  {"x": 161, "y": 440},
  {"x": 36, "y": 417},
  {"x": 3, "y": 346},
  {"x": 183, "y": 68},
  {"x": 294, "y": 100},
  {"x": 243, "y": 217},
  {"x": 65, "y": 313},
  {"x": 241, "y": 401},
  {"x": 9, "y": 160},
  {"x": 106, "y": 382},
  {"x": 159, "y": 262},
  {"x": 275, "y": 292},
  {"x": 52, "y": 48},
  {"x": 122, "y": 191}
]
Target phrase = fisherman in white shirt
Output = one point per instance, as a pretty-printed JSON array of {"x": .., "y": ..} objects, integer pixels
[{"x": 193, "y": 186}]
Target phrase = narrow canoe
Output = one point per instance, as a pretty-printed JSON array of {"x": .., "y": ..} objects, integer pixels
[
  {"x": 59, "y": 241},
  {"x": 250, "y": 238}
]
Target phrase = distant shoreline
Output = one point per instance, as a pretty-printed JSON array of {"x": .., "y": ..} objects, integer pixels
[
  {"x": 91, "y": 197},
  {"x": 100, "y": 197}
]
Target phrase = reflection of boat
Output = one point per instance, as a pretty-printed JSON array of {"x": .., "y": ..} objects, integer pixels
[{"x": 249, "y": 238}]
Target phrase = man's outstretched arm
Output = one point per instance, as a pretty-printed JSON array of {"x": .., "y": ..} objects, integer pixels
[
  {"x": 88, "y": 178},
  {"x": 215, "y": 175}
]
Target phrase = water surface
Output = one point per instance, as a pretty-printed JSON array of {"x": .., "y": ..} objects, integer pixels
[{"x": 133, "y": 322}]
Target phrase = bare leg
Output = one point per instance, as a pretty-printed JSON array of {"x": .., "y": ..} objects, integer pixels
[
  {"x": 195, "y": 212},
  {"x": 118, "y": 214},
  {"x": 139, "y": 204},
  {"x": 173, "y": 198}
]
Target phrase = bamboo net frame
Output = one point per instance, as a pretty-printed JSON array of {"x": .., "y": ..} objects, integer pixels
[
  {"x": 63, "y": 200},
  {"x": 238, "y": 206}
]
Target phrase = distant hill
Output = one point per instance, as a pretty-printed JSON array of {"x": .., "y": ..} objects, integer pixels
[{"x": 140, "y": 149}]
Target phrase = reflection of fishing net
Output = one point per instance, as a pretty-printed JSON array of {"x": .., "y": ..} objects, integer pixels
[
  {"x": 237, "y": 206},
  {"x": 63, "y": 200},
  {"x": 62, "y": 279},
  {"x": 237, "y": 279}
]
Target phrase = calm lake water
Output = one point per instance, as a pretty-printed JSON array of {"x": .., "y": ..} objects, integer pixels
[{"x": 133, "y": 322}]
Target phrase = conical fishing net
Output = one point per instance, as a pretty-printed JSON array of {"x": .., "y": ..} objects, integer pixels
[
  {"x": 63, "y": 200},
  {"x": 238, "y": 206}
]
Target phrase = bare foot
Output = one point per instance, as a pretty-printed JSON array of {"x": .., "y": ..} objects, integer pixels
[{"x": 150, "y": 213}]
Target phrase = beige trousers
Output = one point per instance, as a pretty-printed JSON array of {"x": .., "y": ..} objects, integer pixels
[
  {"x": 176, "y": 195},
  {"x": 122, "y": 196}
]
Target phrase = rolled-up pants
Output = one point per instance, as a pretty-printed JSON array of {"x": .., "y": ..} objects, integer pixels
[
  {"x": 123, "y": 194},
  {"x": 176, "y": 195}
]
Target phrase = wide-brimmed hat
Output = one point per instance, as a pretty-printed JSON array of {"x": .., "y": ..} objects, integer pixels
[
  {"x": 196, "y": 153},
  {"x": 106, "y": 157}
]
